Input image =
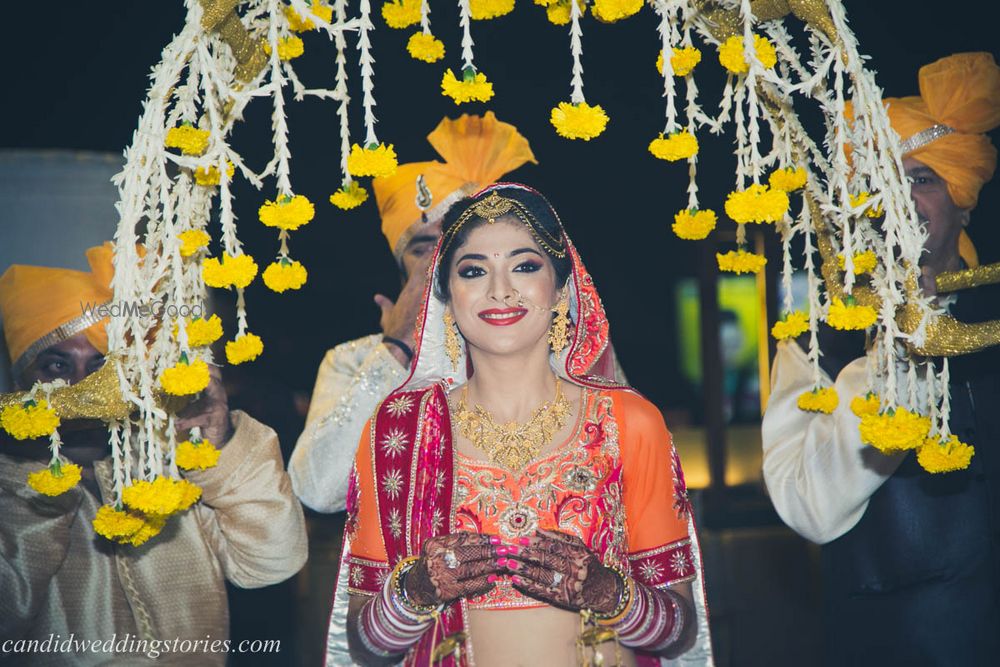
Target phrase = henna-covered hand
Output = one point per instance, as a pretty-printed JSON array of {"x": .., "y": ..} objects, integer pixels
[
  {"x": 461, "y": 564},
  {"x": 561, "y": 570}
]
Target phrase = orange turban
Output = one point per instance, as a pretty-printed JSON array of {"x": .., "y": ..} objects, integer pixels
[
  {"x": 944, "y": 127},
  {"x": 42, "y": 306},
  {"x": 477, "y": 150}
]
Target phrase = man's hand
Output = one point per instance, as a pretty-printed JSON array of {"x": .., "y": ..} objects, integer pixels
[
  {"x": 399, "y": 318},
  {"x": 210, "y": 412}
]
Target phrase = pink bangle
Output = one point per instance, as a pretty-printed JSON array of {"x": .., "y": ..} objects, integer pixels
[
  {"x": 387, "y": 626},
  {"x": 653, "y": 621}
]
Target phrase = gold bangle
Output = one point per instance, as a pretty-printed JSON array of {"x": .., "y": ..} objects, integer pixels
[
  {"x": 624, "y": 601},
  {"x": 398, "y": 573}
]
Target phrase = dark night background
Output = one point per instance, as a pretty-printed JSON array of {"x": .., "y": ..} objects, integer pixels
[{"x": 77, "y": 78}]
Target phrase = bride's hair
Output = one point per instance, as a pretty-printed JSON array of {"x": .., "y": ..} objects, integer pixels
[{"x": 509, "y": 201}]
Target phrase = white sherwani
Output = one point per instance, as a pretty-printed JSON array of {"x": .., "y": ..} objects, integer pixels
[
  {"x": 818, "y": 472},
  {"x": 353, "y": 378}
]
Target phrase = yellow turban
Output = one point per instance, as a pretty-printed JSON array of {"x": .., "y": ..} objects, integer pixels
[
  {"x": 944, "y": 127},
  {"x": 477, "y": 150},
  {"x": 42, "y": 306}
]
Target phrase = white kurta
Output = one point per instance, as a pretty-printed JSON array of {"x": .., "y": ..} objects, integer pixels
[
  {"x": 352, "y": 379},
  {"x": 818, "y": 473}
]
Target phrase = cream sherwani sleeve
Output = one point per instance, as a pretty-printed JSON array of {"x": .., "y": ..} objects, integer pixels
[
  {"x": 248, "y": 513},
  {"x": 818, "y": 472},
  {"x": 352, "y": 379}
]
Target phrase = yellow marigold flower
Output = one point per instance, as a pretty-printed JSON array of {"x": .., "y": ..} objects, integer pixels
[
  {"x": 201, "y": 331},
  {"x": 401, "y": 14},
  {"x": 29, "y": 420},
  {"x": 184, "y": 379},
  {"x": 558, "y": 11},
  {"x": 192, "y": 241},
  {"x": 372, "y": 160},
  {"x": 861, "y": 200},
  {"x": 678, "y": 146},
  {"x": 473, "y": 87},
  {"x": 758, "y": 203},
  {"x": 610, "y": 11},
  {"x": 116, "y": 524},
  {"x": 578, "y": 121},
  {"x": 55, "y": 480},
  {"x": 823, "y": 400},
  {"x": 236, "y": 271},
  {"x": 869, "y": 404},
  {"x": 425, "y": 46},
  {"x": 792, "y": 325},
  {"x": 190, "y": 494},
  {"x": 349, "y": 196},
  {"x": 299, "y": 23},
  {"x": 287, "y": 212},
  {"x": 682, "y": 61},
  {"x": 289, "y": 48},
  {"x": 285, "y": 275},
  {"x": 894, "y": 430},
  {"x": 188, "y": 138},
  {"x": 787, "y": 179},
  {"x": 740, "y": 261},
  {"x": 849, "y": 316},
  {"x": 864, "y": 262},
  {"x": 161, "y": 497},
  {"x": 210, "y": 176},
  {"x": 246, "y": 347},
  {"x": 693, "y": 225},
  {"x": 197, "y": 455},
  {"x": 945, "y": 455},
  {"x": 731, "y": 54},
  {"x": 151, "y": 527},
  {"x": 483, "y": 10}
]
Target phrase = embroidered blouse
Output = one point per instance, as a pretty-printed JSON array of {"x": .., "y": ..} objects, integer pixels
[{"x": 615, "y": 483}]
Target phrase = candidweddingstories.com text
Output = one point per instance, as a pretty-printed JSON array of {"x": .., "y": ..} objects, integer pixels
[
  {"x": 132, "y": 645},
  {"x": 143, "y": 310}
]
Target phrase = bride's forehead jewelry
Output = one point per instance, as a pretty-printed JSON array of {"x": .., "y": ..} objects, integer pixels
[{"x": 493, "y": 207}]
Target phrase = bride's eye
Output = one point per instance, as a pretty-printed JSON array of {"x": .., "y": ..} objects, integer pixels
[
  {"x": 528, "y": 267},
  {"x": 471, "y": 271}
]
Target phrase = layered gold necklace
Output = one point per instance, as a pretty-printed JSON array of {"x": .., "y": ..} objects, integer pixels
[{"x": 511, "y": 445}]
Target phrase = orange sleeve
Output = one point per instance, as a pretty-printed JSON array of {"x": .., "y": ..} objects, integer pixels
[
  {"x": 366, "y": 542},
  {"x": 647, "y": 475}
]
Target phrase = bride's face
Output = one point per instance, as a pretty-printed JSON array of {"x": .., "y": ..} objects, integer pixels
[{"x": 502, "y": 287}]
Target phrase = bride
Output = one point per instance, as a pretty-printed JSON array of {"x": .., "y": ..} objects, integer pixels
[{"x": 509, "y": 504}]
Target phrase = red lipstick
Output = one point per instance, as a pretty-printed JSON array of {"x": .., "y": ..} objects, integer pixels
[{"x": 502, "y": 317}]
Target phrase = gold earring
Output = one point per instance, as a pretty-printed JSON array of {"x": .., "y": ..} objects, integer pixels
[
  {"x": 452, "y": 346},
  {"x": 559, "y": 331}
]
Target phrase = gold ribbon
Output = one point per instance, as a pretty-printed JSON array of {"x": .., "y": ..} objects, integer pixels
[
  {"x": 97, "y": 396},
  {"x": 220, "y": 16}
]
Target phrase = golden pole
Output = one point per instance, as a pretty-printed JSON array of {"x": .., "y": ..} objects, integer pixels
[{"x": 763, "y": 355}]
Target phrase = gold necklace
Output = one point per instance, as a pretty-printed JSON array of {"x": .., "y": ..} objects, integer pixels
[{"x": 511, "y": 445}]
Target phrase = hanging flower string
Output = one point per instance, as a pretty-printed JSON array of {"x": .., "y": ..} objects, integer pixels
[
  {"x": 473, "y": 86},
  {"x": 576, "y": 119},
  {"x": 351, "y": 194},
  {"x": 374, "y": 158},
  {"x": 423, "y": 45}
]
